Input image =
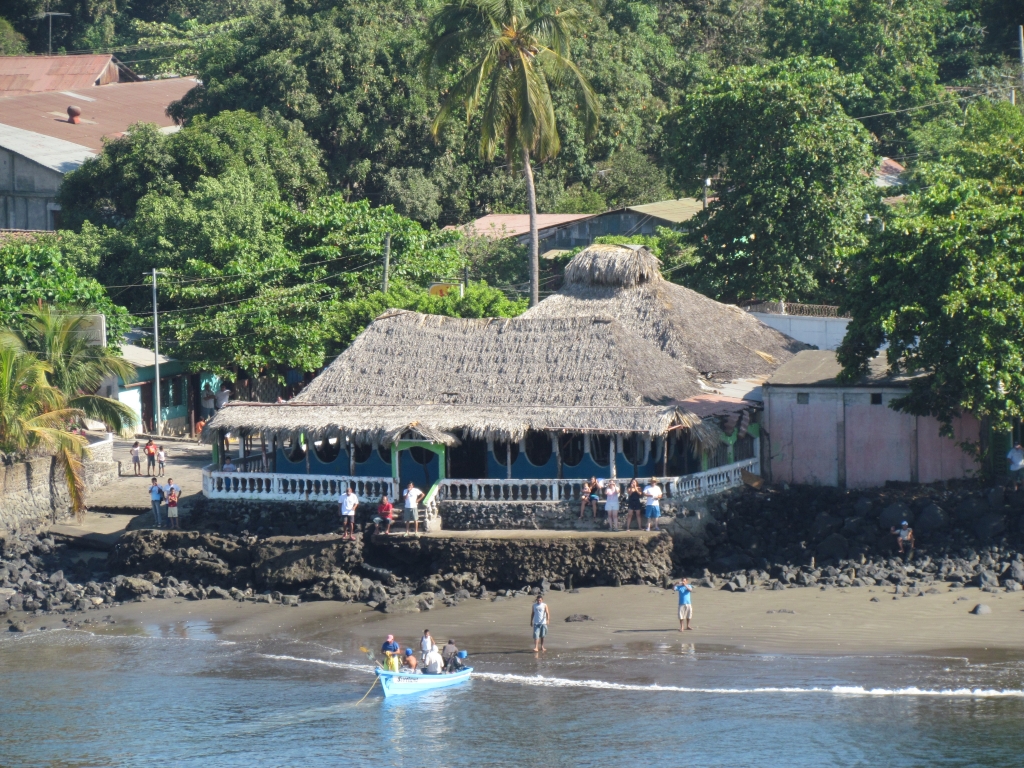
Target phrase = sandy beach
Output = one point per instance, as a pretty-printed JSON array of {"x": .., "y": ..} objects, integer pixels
[{"x": 801, "y": 620}]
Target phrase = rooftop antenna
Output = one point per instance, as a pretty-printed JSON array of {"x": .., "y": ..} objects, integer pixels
[{"x": 49, "y": 16}]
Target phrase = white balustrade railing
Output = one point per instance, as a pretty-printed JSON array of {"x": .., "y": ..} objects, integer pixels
[
  {"x": 271, "y": 486},
  {"x": 276, "y": 487},
  {"x": 680, "y": 488}
]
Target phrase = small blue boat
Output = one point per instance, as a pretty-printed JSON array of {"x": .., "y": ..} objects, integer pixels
[{"x": 403, "y": 683}]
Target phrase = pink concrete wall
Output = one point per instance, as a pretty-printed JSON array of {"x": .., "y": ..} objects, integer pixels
[
  {"x": 803, "y": 438},
  {"x": 940, "y": 458},
  {"x": 880, "y": 444}
]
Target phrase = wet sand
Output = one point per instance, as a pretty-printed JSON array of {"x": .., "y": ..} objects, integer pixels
[{"x": 801, "y": 620}]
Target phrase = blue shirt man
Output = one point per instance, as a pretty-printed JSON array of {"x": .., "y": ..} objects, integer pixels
[
  {"x": 389, "y": 646},
  {"x": 685, "y": 608},
  {"x": 156, "y": 496}
]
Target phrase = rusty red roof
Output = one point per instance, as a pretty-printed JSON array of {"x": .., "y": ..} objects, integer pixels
[
  {"x": 107, "y": 111},
  {"x": 36, "y": 74}
]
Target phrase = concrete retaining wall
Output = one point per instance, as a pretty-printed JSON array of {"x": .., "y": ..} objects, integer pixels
[{"x": 34, "y": 492}]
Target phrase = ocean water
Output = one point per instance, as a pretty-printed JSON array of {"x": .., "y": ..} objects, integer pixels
[{"x": 182, "y": 696}]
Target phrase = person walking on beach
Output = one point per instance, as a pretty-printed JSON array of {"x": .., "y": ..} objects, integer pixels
[
  {"x": 156, "y": 498},
  {"x": 540, "y": 617},
  {"x": 349, "y": 501},
  {"x": 634, "y": 504},
  {"x": 652, "y": 508},
  {"x": 611, "y": 504},
  {"x": 161, "y": 461},
  {"x": 1016, "y": 459},
  {"x": 136, "y": 453},
  {"x": 685, "y": 607},
  {"x": 150, "y": 451},
  {"x": 410, "y": 514}
]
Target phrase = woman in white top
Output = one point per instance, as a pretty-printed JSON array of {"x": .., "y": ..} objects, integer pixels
[
  {"x": 611, "y": 504},
  {"x": 137, "y": 458}
]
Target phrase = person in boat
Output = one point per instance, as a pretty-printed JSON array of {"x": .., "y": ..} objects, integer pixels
[
  {"x": 433, "y": 664},
  {"x": 449, "y": 650},
  {"x": 391, "y": 649},
  {"x": 409, "y": 662}
]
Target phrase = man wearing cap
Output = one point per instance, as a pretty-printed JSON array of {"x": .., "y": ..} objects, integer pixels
[
  {"x": 905, "y": 535},
  {"x": 390, "y": 650}
]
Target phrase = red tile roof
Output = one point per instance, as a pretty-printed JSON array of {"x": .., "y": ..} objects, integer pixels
[
  {"x": 107, "y": 111},
  {"x": 36, "y": 74}
]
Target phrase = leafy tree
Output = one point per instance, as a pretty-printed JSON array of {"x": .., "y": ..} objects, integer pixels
[
  {"x": 275, "y": 155},
  {"x": 512, "y": 50},
  {"x": 944, "y": 283},
  {"x": 34, "y": 416},
  {"x": 12, "y": 42},
  {"x": 631, "y": 178},
  {"x": 479, "y": 300},
  {"x": 36, "y": 272},
  {"x": 792, "y": 180},
  {"x": 76, "y": 366}
]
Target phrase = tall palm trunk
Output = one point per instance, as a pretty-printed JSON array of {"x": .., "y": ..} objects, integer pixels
[{"x": 531, "y": 202}]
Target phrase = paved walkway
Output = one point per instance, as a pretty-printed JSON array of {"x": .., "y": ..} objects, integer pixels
[{"x": 129, "y": 494}]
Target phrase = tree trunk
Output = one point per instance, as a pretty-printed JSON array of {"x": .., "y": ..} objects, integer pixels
[{"x": 531, "y": 201}]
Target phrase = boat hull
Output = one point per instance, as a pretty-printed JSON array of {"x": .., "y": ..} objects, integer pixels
[{"x": 406, "y": 683}]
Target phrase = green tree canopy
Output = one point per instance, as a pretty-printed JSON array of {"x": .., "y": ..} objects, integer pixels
[
  {"x": 37, "y": 271},
  {"x": 791, "y": 179},
  {"x": 943, "y": 285}
]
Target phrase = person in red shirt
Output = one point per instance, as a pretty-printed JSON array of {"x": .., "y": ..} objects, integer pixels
[{"x": 385, "y": 515}]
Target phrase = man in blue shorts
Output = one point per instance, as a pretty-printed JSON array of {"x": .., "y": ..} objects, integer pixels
[{"x": 685, "y": 608}]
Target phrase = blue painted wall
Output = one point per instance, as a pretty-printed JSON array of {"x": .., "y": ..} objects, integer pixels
[{"x": 411, "y": 471}]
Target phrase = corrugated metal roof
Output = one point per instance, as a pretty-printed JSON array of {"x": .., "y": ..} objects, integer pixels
[
  {"x": 141, "y": 357},
  {"x": 676, "y": 211},
  {"x": 819, "y": 368},
  {"x": 107, "y": 111},
  {"x": 56, "y": 154},
  {"x": 501, "y": 225},
  {"x": 35, "y": 74}
]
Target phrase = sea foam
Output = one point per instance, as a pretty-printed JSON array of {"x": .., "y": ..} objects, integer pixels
[{"x": 563, "y": 682}]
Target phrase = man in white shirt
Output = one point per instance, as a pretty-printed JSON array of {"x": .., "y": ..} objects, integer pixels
[
  {"x": 1016, "y": 459},
  {"x": 349, "y": 502},
  {"x": 410, "y": 513},
  {"x": 652, "y": 499},
  {"x": 222, "y": 397},
  {"x": 433, "y": 664}
]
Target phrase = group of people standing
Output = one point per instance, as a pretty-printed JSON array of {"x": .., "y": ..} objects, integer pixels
[
  {"x": 411, "y": 498},
  {"x": 156, "y": 458},
  {"x": 646, "y": 501},
  {"x": 164, "y": 498}
]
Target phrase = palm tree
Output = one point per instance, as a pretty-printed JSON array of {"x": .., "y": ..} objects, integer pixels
[
  {"x": 514, "y": 49},
  {"x": 76, "y": 366},
  {"x": 34, "y": 416}
]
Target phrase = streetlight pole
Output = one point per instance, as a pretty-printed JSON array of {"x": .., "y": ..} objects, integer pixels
[{"x": 157, "y": 422}]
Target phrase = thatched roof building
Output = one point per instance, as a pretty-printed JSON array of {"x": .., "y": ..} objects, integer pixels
[
  {"x": 618, "y": 351},
  {"x": 720, "y": 341}
]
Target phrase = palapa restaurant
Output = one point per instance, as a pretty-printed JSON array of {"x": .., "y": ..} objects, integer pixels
[{"x": 620, "y": 374}]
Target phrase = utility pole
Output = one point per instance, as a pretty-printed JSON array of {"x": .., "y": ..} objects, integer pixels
[
  {"x": 387, "y": 259},
  {"x": 1020, "y": 40},
  {"x": 49, "y": 16},
  {"x": 156, "y": 361}
]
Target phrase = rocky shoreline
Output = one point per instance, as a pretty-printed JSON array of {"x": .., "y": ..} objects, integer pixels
[{"x": 774, "y": 539}]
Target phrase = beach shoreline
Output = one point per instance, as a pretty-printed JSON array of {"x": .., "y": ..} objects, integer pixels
[{"x": 793, "y": 621}]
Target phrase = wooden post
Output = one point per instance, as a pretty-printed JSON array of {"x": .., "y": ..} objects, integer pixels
[
  {"x": 508, "y": 459},
  {"x": 664, "y": 455},
  {"x": 263, "y": 450},
  {"x": 309, "y": 447},
  {"x": 611, "y": 458},
  {"x": 558, "y": 455},
  {"x": 351, "y": 458},
  {"x": 395, "y": 476}
]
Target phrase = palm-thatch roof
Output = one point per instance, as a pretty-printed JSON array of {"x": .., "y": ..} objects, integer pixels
[
  {"x": 499, "y": 377},
  {"x": 624, "y": 282},
  {"x": 617, "y": 350}
]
